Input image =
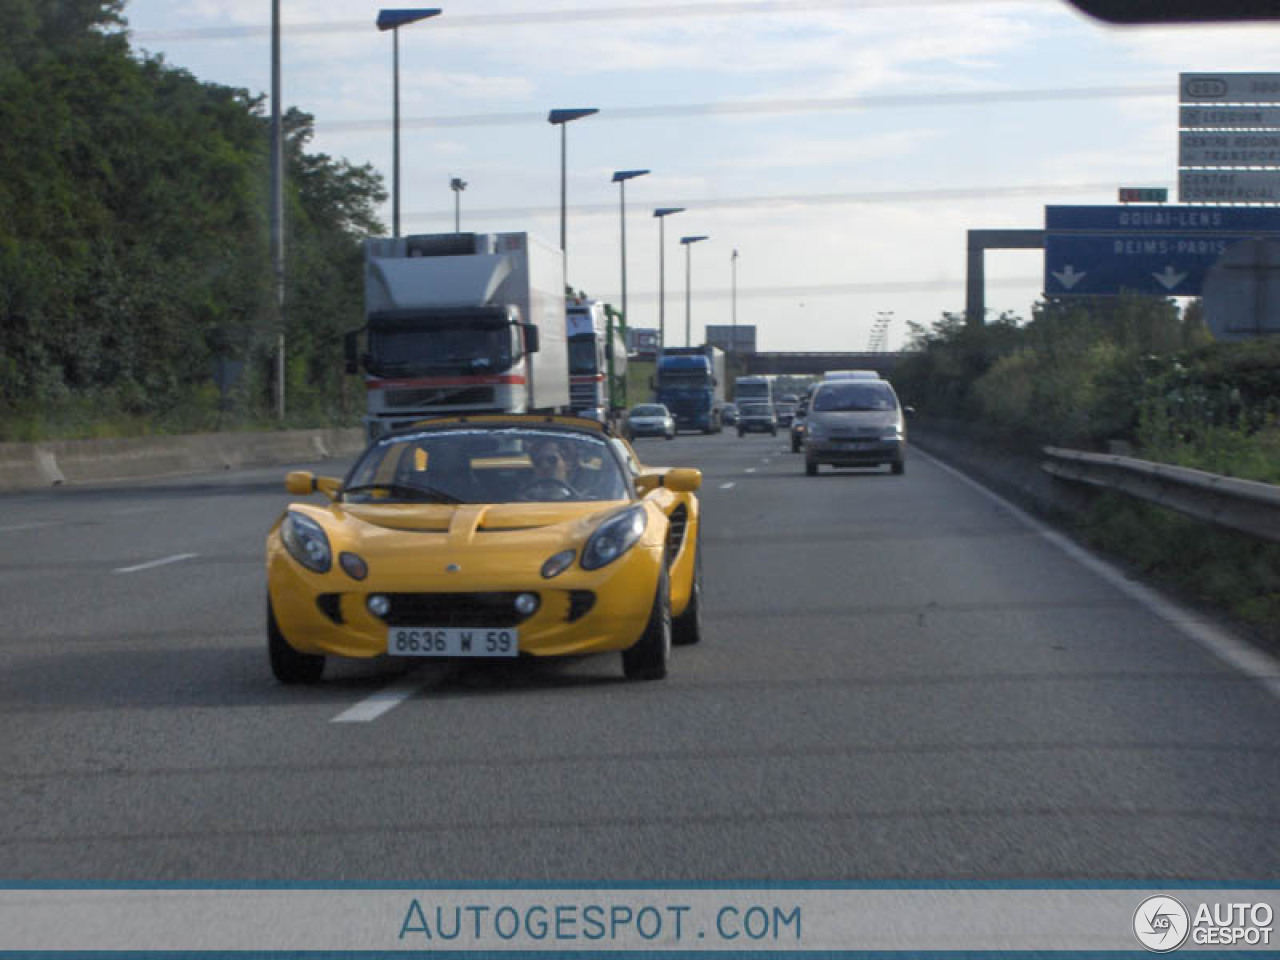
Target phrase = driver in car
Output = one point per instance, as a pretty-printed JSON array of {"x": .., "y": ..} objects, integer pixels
[{"x": 552, "y": 464}]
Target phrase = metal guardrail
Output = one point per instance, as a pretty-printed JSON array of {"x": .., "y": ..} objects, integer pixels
[{"x": 1240, "y": 504}]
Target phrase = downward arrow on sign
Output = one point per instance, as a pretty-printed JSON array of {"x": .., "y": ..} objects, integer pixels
[
  {"x": 1068, "y": 276},
  {"x": 1170, "y": 278}
]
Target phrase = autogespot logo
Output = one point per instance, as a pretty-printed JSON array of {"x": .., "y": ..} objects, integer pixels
[{"x": 1161, "y": 924}]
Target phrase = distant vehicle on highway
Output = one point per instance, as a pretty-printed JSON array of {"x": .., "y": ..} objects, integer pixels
[
  {"x": 729, "y": 415},
  {"x": 855, "y": 422},
  {"x": 757, "y": 418},
  {"x": 797, "y": 425},
  {"x": 651, "y": 420},
  {"x": 785, "y": 409}
]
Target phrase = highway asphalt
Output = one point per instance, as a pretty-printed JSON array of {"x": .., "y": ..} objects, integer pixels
[{"x": 900, "y": 679}]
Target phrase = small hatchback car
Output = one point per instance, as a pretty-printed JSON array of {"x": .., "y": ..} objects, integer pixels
[{"x": 855, "y": 423}]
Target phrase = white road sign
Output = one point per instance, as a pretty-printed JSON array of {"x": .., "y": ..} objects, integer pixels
[
  {"x": 1229, "y": 118},
  {"x": 1255, "y": 148},
  {"x": 1229, "y": 186},
  {"x": 1229, "y": 87}
]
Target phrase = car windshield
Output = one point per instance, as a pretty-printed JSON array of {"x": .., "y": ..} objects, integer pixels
[
  {"x": 853, "y": 395},
  {"x": 649, "y": 411},
  {"x": 486, "y": 466}
]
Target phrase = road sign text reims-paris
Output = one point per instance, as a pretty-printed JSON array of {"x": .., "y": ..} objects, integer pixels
[{"x": 1163, "y": 251}]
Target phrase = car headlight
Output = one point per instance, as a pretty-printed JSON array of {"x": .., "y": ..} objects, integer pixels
[
  {"x": 891, "y": 433},
  {"x": 306, "y": 542},
  {"x": 614, "y": 537},
  {"x": 815, "y": 431}
]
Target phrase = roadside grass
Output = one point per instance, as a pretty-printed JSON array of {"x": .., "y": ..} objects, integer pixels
[{"x": 1209, "y": 564}]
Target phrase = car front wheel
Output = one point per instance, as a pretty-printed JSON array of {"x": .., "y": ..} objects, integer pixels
[
  {"x": 287, "y": 664},
  {"x": 648, "y": 657},
  {"x": 810, "y": 468}
]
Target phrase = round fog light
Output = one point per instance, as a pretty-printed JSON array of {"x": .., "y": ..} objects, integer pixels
[
  {"x": 378, "y": 605},
  {"x": 526, "y": 603}
]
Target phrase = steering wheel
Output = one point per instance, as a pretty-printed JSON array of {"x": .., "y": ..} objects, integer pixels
[{"x": 550, "y": 488}]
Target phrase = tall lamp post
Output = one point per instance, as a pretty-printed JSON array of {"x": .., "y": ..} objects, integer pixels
[
  {"x": 733, "y": 329},
  {"x": 457, "y": 185},
  {"x": 562, "y": 118},
  {"x": 688, "y": 275},
  {"x": 620, "y": 177},
  {"x": 393, "y": 20},
  {"x": 662, "y": 213}
]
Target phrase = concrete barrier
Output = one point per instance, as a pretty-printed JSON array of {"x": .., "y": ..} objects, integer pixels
[{"x": 25, "y": 466}]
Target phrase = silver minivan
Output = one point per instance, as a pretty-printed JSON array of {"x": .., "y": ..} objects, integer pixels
[{"x": 855, "y": 423}]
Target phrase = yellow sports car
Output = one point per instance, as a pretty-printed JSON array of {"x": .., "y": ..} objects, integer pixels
[{"x": 491, "y": 536}]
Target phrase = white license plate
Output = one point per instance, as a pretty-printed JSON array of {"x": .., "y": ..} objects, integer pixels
[{"x": 453, "y": 642}]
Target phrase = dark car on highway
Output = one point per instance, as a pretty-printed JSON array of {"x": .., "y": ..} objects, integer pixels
[{"x": 757, "y": 418}]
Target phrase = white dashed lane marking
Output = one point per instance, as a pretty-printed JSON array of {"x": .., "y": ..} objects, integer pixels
[{"x": 163, "y": 561}]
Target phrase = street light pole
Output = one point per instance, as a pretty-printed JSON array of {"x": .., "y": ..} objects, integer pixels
[
  {"x": 393, "y": 20},
  {"x": 662, "y": 213},
  {"x": 688, "y": 276},
  {"x": 562, "y": 118},
  {"x": 733, "y": 330},
  {"x": 620, "y": 177},
  {"x": 457, "y": 185}
]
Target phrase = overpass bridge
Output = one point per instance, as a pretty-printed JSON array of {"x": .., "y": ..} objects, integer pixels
[{"x": 810, "y": 364}]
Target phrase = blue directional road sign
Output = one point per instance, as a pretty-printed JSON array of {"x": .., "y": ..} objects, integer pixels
[{"x": 1164, "y": 251}]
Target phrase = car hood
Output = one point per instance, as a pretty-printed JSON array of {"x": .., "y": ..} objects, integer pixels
[{"x": 468, "y": 520}]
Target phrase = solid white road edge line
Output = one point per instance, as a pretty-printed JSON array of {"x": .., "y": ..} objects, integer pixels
[
  {"x": 1222, "y": 644},
  {"x": 176, "y": 558},
  {"x": 388, "y": 698}
]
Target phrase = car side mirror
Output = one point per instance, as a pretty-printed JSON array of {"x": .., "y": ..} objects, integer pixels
[
  {"x": 303, "y": 483},
  {"x": 683, "y": 480},
  {"x": 909, "y": 411}
]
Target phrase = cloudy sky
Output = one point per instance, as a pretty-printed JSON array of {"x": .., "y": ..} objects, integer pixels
[{"x": 843, "y": 147}]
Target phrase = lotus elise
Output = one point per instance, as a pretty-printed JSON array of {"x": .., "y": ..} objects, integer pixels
[{"x": 487, "y": 537}]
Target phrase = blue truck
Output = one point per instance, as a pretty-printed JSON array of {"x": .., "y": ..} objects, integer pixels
[{"x": 689, "y": 382}]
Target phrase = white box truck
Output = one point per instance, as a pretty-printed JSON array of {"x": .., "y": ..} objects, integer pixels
[{"x": 460, "y": 323}]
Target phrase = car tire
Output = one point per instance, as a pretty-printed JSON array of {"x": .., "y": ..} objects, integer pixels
[
  {"x": 773, "y": 432},
  {"x": 795, "y": 446},
  {"x": 648, "y": 657},
  {"x": 899, "y": 468},
  {"x": 741, "y": 434},
  {"x": 671, "y": 436},
  {"x": 686, "y": 629},
  {"x": 810, "y": 468},
  {"x": 287, "y": 664}
]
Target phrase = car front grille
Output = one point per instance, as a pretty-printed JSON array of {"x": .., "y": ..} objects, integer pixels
[
  {"x": 439, "y": 396},
  {"x": 453, "y": 610},
  {"x": 580, "y": 604}
]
